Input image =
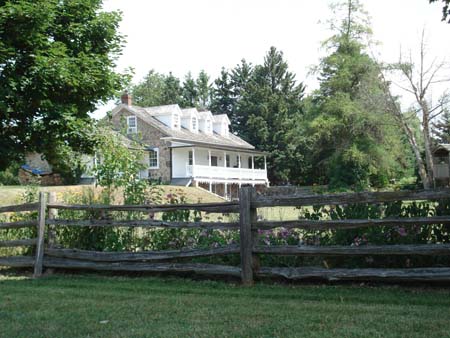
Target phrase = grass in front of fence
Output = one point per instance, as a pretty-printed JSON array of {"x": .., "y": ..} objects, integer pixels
[{"x": 102, "y": 306}]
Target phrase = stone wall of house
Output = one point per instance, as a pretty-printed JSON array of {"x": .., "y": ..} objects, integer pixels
[
  {"x": 26, "y": 177},
  {"x": 151, "y": 136}
]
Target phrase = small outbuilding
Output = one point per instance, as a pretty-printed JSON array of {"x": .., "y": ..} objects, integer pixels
[{"x": 441, "y": 160}]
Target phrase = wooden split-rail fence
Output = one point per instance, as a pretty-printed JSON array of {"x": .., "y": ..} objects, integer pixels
[{"x": 48, "y": 255}]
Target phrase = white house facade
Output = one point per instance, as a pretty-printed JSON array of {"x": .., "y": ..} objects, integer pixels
[{"x": 191, "y": 147}]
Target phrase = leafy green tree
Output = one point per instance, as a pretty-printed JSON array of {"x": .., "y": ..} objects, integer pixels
[
  {"x": 356, "y": 143},
  {"x": 445, "y": 9},
  {"x": 157, "y": 89},
  {"x": 119, "y": 166},
  {"x": 57, "y": 62}
]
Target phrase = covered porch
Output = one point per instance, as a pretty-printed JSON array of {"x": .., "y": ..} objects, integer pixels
[{"x": 216, "y": 165}]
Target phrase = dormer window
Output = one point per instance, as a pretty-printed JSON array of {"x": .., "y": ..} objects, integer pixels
[
  {"x": 176, "y": 121},
  {"x": 194, "y": 124},
  {"x": 225, "y": 129},
  {"x": 131, "y": 125},
  {"x": 208, "y": 126}
]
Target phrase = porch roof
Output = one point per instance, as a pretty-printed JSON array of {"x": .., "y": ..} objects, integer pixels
[{"x": 218, "y": 147}]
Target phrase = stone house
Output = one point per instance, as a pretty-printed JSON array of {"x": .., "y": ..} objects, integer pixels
[{"x": 191, "y": 147}]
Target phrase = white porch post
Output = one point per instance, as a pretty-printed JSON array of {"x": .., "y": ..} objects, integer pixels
[
  {"x": 253, "y": 168},
  {"x": 265, "y": 168},
  {"x": 209, "y": 163},
  {"x": 225, "y": 192},
  {"x": 193, "y": 161},
  {"x": 239, "y": 166}
]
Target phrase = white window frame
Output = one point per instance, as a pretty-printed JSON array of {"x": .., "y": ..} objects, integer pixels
[
  {"x": 132, "y": 129},
  {"x": 176, "y": 121},
  {"x": 156, "y": 150},
  {"x": 225, "y": 129}
]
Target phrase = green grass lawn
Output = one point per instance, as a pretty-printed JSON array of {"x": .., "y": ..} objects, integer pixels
[
  {"x": 105, "y": 306},
  {"x": 12, "y": 194}
]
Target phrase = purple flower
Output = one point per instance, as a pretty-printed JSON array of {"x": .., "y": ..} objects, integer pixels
[{"x": 402, "y": 231}]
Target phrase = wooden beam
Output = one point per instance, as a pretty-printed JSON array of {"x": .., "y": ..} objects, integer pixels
[
  {"x": 101, "y": 256},
  {"x": 224, "y": 207},
  {"x": 397, "y": 275},
  {"x": 144, "y": 224},
  {"x": 363, "y": 250},
  {"x": 18, "y": 242},
  {"x": 198, "y": 268},
  {"x": 246, "y": 217},
  {"x": 19, "y": 207},
  {"x": 18, "y": 224},
  {"x": 350, "y": 223},
  {"x": 52, "y": 215},
  {"x": 40, "y": 235},
  {"x": 270, "y": 199},
  {"x": 17, "y": 261}
]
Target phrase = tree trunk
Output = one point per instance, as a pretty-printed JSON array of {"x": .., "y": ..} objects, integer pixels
[
  {"x": 424, "y": 176},
  {"x": 427, "y": 140}
]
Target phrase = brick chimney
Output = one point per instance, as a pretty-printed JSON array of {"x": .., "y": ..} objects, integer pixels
[{"x": 126, "y": 99}]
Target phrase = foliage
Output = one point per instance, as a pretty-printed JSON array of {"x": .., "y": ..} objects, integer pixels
[
  {"x": 264, "y": 104},
  {"x": 119, "y": 166},
  {"x": 441, "y": 129},
  {"x": 57, "y": 62},
  {"x": 356, "y": 143},
  {"x": 92, "y": 238},
  {"x": 30, "y": 195},
  {"x": 157, "y": 89},
  {"x": 9, "y": 176},
  {"x": 445, "y": 9}
]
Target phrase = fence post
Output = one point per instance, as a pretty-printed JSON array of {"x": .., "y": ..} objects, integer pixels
[
  {"x": 52, "y": 215},
  {"x": 247, "y": 215},
  {"x": 38, "y": 262}
]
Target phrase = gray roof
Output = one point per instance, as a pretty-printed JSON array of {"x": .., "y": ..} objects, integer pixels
[
  {"x": 161, "y": 110},
  {"x": 146, "y": 114},
  {"x": 444, "y": 146}
]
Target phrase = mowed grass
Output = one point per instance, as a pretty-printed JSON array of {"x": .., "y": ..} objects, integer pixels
[
  {"x": 12, "y": 194},
  {"x": 105, "y": 306}
]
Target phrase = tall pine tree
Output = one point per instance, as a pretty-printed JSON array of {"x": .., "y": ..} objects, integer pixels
[{"x": 356, "y": 143}]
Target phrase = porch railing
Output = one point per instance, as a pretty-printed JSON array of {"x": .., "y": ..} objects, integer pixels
[{"x": 225, "y": 172}]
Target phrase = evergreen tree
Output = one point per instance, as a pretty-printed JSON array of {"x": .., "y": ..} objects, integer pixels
[
  {"x": 189, "y": 92},
  {"x": 203, "y": 89},
  {"x": 157, "y": 89},
  {"x": 172, "y": 90},
  {"x": 222, "y": 98},
  {"x": 268, "y": 114},
  {"x": 356, "y": 143},
  {"x": 441, "y": 129}
]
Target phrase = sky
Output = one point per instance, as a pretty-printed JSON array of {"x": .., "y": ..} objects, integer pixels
[{"x": 179, "y": 36}]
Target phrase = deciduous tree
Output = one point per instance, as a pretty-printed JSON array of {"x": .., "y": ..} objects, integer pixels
[{"x": 57, "y": 60}]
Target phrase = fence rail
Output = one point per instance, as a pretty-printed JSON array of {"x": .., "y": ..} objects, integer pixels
[{"x": 47, "y": 255}]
